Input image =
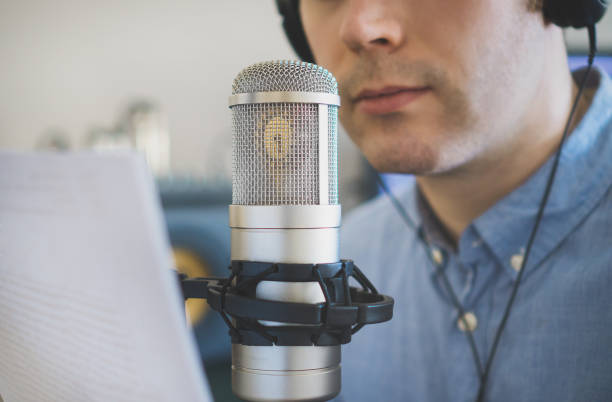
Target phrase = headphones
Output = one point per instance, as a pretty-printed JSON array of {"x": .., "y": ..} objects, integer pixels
[{"x": 564, "y": 13}]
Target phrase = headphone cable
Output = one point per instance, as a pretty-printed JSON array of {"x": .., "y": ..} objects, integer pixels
[
  {"x": 551, "y": 178},
  {"x": 439, "y": 271},
  {"x": 484, "y": 374}
]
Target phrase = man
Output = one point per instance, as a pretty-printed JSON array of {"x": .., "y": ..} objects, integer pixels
[{"x": 472, "y": 97}]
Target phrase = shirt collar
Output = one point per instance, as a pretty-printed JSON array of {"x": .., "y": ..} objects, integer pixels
[
  {"x": 583, "y": 176},
  {"x": 433, "y": 229}
]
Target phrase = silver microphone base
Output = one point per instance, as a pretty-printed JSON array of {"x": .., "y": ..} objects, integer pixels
[
  {"x": 277, "y": 386},
  {"x": 286, "y": 373}
]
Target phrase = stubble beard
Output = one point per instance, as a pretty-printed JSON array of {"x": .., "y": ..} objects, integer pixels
[{"x": 405, "y": 142}]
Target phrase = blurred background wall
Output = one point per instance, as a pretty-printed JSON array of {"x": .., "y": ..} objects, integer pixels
[
  {"x": 70, "y": 70},
  {"x": 72, "y": 66}
]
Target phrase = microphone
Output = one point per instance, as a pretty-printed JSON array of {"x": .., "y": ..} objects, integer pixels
[
  {"x": 285, "y": 210},
  {"x": 287, "y": 302}
]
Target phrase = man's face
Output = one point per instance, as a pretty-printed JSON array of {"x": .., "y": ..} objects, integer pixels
[{"x": 428, "y": 86}]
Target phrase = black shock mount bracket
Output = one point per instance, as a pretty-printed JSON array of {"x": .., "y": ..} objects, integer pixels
[{"x": 345, "y": 311}]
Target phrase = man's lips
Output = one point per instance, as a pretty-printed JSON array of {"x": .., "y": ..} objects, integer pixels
[{"x": 387, "y": 99}]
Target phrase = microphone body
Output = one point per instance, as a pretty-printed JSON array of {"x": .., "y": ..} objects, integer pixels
[
  {"x": 285, "y": 373},
  {"x": 285, "y": 210}
]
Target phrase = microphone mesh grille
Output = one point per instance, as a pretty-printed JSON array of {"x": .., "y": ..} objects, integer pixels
[
  {"x": 275, "y": 145},
  {"x": 284, "y": 75}
]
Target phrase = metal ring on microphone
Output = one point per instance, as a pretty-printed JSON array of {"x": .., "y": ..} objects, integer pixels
[
  {"x": 284, "y": 97},
  {"x": 284, "y": 216}
]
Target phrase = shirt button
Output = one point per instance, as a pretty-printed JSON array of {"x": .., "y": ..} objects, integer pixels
[
  {"x": 436, "y": 256},
  {"x": 467, "y": 318},
  {"x": 516, "y": 261}
]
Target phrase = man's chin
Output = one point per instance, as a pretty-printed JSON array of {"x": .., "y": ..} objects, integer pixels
[
  {"x": 417, "y": 162},
  {"x": 416, "y": 166}
]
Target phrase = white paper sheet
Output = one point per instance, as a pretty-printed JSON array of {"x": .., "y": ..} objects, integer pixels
[{"x": 89, "y": 307}]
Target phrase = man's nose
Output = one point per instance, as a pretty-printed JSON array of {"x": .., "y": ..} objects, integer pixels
[{"x": 370, "y": 25}]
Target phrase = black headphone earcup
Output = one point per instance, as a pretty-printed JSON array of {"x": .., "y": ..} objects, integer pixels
[
  {"x": 574, "y": 13},
  {"x": 292, "y": 24}
]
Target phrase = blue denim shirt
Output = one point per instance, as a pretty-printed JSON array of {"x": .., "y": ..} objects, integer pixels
[{"x": 557, "y": 345}]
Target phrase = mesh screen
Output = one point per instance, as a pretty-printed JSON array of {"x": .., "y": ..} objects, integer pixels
[
  {"x": 284, "y": 75},
  {"x": 275, "y": 154},
  {"x": 275, "y": 145}
]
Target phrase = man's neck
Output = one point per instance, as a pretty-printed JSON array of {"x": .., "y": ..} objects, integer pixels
[{"x": 461, "y": 195}]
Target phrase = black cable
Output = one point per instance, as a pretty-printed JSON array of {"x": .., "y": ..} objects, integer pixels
[
  {"x": 468, "y": 332},
  {"x": 398, "y": 207},
  {"x": 484, "y": 375},
  {"x": 439, "y": 271},
  {"x": 549, "y": 183}
]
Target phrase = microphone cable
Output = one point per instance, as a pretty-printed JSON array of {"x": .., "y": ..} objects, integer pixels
[{"x": 484, "y": 374}]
